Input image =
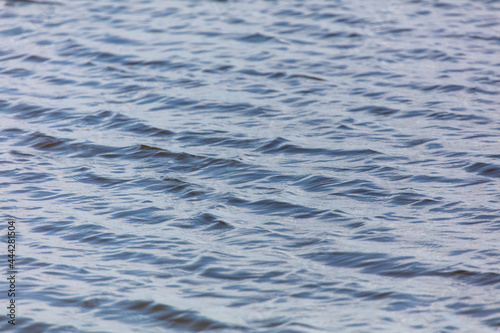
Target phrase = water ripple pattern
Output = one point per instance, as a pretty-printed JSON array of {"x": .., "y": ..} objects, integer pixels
[{"x": 252, "y": 165}]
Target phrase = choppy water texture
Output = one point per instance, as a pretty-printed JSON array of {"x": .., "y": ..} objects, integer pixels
[{"x": 252, "y": 165}]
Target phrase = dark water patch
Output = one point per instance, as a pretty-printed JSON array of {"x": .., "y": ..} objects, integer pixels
[
  {"x": 253, "y": 72},
  {"x": 425, "y": 53},
  {"x": 219, "y": 69},
  {"x": 276, "y": 208},
  {"x": 255, "y": 38},
  {"x": 91, "y": 178},
  {"x": 169, "y": 185},
  {"x": 215, "y": 138},
  {"x": 341, "y": 34},
  {"x": 34, "y": 113},
  {"x": 288, "y": 12},
  {"x": 427, "y": 179},
  {"x": 174, "y": 103},
  {"x": 470, "y": 277},
  {"x": 30, "y": 325},
  {"x": 446, "y": 116},
  {"x": 381, "y": 264},
  {"x": 225, "y": 273},
  {"x": 161, "y": 65},
  {"x": 368, "y": 74},
  {"x": 129, "y": 88},
  {"x": 493, "y": 322},
  {"x": 450, "y": 88},
  {"x": 250, "y": 176},
  {"x": 484, "y": 169},
  {"x": 166, "y": 316},
  {"x": 417, "y": 142},
  {"x": 26, "y": 111},
  {"x": 146, "y": 215},
  {"x": 279, "y": 145},
  {"x": 45, "y": 142},
  {"x": 309, "y": 77},
  {"x": 376, "y": 110},
  {"x": 58, "y": 80},
  {"x": 27, "y": 2},
  {"x": 200, "y": 263},
  {"x": 318, "y": 183},
  {"x": 382, "y": 235},
  {"x": 189, "y": 84},
  {"x": 371, "y": 263},
  {"x": 300, "y": 243},
  {"x": 475, "y": 90},
  {"x": 76, "y": 50},
  {"x": 112, "y": 39},
  {"x": 427, "y": 202},
  {"x": 42, "y": 195},
  {"x": 350, "y": 20},
  {"x": 148, "y": 99},
  {"x": 27, "y": 177},
  {"x": 89, "y": 150},
  {"x": 236, "y": 109},
  {"x": 206, "y": 221},
  {"x": 476, "y": 310},
  {"x": 141, "y": 257},
  {"x": 87, "y": 233},
  {"x": 97, "y": 118},
  {"x": 185, "y": 162},
  {"x": 35, "y": 59},
  {"x": 15, "y": 32},
  {"x": 362, "y": 194},
  {"x": 257, "y": 89},
  {"x": 96, "y": 238},
  {"x": 59, "y": 227},
  {"x": 127, "y": 124},
  {"x": 397, "y": 30}
]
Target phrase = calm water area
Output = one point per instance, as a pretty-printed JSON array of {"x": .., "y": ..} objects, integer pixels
[{"x": 269, "y": 166}]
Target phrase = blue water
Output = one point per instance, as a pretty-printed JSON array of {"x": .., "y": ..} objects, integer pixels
[{"x": 252, "y": 165}]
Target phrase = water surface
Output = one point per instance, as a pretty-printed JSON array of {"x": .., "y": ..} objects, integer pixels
[{"x": 252, "y": 165}]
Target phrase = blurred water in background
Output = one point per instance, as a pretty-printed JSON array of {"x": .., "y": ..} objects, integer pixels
[{"x": 252, "y": 165}]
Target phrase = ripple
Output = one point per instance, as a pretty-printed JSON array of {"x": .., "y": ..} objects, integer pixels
[
  {"x": 168, "y": 316},
  {"x": 255, "y": 38},
  {"x": 484, "y": 169},
  {"x": 377, "y": 110}
]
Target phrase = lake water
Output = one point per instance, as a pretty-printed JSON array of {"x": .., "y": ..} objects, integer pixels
[{"x": 252, "y": 165}]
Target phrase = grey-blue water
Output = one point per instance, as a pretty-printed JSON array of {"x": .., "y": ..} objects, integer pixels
[{"x": 252, "y": 165}]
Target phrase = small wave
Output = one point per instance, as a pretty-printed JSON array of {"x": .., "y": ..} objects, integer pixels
[
  {"x": 484, "y": 169},
  {"x": 376, "y": 110},
  {"x": 166, "y": 316},
  {"x": 255, "y": 38}
]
